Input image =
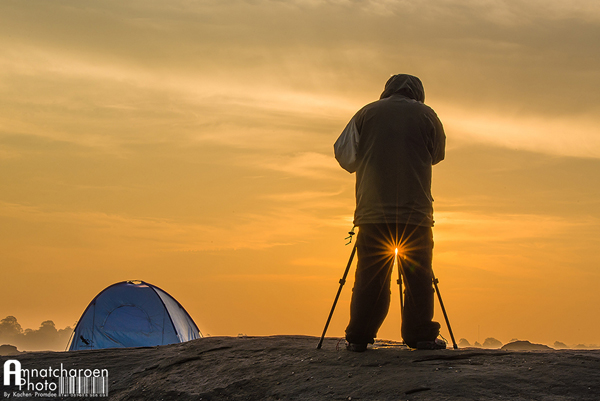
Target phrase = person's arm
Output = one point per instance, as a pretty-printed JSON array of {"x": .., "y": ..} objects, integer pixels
[
  {"x": 346, "y": 147},
  {"x": 438, "y": 140}
]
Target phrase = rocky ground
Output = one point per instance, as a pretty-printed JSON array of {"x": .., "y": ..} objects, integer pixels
[{"x": 291, "y": 368}]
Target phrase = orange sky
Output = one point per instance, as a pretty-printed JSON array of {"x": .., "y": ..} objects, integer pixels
[{"x": 189, "y": 144}]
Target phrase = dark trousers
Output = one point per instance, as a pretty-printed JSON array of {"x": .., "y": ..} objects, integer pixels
[{"x": 370, "y": 302}]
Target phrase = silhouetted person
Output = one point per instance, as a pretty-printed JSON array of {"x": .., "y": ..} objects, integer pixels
[{"x": 392, "y": 144}]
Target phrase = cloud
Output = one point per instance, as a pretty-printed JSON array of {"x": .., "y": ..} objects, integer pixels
[
  {"x": 47, "y": 337},
  {"x": 309, "y": 164},
  {"x": 252, "y": 74},
  {"x": 321, "y": 262},
  {"x": 576, "y": 136},
  {"x": 110, "y": 106},
  {"x": 302, "y": 196},
  {"x": 267, "y": 278},
  {"x": 501, "y": 228},
  {"x": 93, "y": 231},
  {"x": 514, "y": 246}
]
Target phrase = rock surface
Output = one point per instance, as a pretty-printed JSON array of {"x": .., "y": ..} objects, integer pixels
[{"x": 291, "y": 368}]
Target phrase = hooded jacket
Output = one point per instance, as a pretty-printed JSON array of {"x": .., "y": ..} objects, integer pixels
[{"x": 392, "y": 144}]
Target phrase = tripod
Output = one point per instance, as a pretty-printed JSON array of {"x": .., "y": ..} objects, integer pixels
[
  {"x": 337, "y": 296},
  {"x": 342, "y": 281}
]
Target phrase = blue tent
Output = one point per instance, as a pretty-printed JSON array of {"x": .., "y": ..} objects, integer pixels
[{"x": 133, "y": 314}]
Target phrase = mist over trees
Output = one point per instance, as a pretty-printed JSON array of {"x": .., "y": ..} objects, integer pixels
[
  {"x": 491, "y": 342},
  {"x": 46, "y": 337}
]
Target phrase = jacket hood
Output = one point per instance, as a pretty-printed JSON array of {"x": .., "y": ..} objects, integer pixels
[{"x": 405, "y": 85}]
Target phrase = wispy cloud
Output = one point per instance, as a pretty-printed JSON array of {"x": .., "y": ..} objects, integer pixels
[
  {"x": 302, "y": 196},
  {"x": 500, "y": 228},
  {"x": 309, "y": 164},
  {"x": 280, "y": 225},
  {"x": 513, "y": 245},
  {"x": 577, "y": 136},
  {"x": 163, "y": 80}
]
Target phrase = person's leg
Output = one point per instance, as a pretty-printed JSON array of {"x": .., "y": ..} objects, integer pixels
[
  {"x": 371, "y": 293},
  {"x": 416, "y": 251}
]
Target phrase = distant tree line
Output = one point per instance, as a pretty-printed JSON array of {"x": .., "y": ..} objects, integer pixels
[
  {"x": 494, "y": 343},
  {"x": 47, "y": 337}
]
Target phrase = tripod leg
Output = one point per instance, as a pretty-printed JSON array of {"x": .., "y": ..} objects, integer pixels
[
  {"x": 437, "y": 290},
  {"x": 400, "y": 285},
  {"x": 342, "y": 282}
]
